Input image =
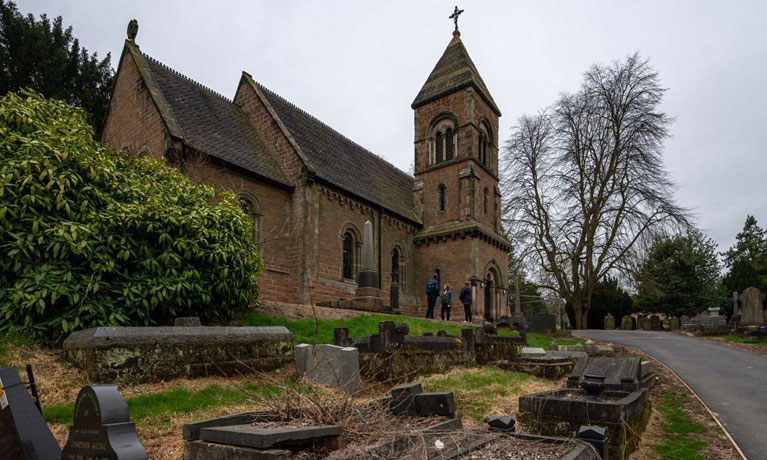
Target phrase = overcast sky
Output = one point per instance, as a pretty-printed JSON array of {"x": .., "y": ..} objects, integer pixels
[{"x": 358, "y": 65}]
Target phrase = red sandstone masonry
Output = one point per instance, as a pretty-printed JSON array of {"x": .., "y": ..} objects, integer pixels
[{"x": 134, "y": 123}]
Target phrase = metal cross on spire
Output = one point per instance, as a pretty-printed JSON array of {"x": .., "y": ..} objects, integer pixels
[{"x": 454, "y": 17}]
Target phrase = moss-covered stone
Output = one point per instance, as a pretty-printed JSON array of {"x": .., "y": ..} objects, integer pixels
[{"x": 154, "y": 354}]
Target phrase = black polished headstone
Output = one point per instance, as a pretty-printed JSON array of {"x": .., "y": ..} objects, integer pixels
[
  {"x": 503, "y": 423},
  {"x": 102, "y": 429},
  {"x": 596, "y": 436},
  {"x": 24, "y": 435}
]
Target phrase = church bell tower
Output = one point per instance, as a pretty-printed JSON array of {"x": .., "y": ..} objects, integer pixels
[{"x": 456, "y": 180}]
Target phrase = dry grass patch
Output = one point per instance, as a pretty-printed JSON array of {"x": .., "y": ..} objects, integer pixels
[{"x": 484, "y": 391}]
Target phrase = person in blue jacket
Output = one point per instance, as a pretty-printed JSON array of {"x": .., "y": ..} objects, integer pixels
[
  {"x": 447, "y": 302},
  {"x": 432, "y": 292}
]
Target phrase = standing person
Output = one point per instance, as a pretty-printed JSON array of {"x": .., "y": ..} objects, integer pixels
[
  {"x": 432, "y": 292},
  {"x": 447, "y": 302},
  {"x": 465, "y": 298}
]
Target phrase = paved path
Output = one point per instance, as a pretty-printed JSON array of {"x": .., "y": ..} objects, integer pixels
[{"x": 732, "y": 382}]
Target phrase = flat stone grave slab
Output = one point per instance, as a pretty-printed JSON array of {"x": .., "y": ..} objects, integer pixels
[
  {"x": 264, "y": 438},
  {"x": 622, "y": 373},
  {"x": 146, "y": 354},
  {"x": 531, "y": 352},
  {"x": 547, "y": 366}
]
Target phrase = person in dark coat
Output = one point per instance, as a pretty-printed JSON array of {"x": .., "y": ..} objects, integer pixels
[
  {"x": 432, "y": 292},
  {"x": 465, "y": 298},
  {"x": 447, "y": 302}
]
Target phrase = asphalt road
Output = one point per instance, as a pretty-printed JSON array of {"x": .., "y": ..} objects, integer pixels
[{"x": 732, "y": 382}]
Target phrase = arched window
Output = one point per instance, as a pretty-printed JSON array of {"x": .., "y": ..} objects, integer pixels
[
  {"x": 484, "y": 202},
  {"x": 484, "y": 143},
  {"x": 249, "y": 206},
  {"x": 348, "y": 255},
  {"x": 443, "y": 131},
  {"x": 438, "y": 146},
  {"x": 395, "y": 265},
  {"x": 441, "y": 198}
]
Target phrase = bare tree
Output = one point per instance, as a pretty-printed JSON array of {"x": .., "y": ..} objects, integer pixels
[{"x": 584, "y": 181}]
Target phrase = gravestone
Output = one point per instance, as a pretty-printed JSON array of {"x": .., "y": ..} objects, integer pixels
[
  {"x": 609, "y": 322},
  {"x": 532, "y": 352},
  {"x": 542, "y": 323},
  {"x": 627, "y": 324},
  {"x": 655, "y": 324},
  {"x": 368, "y": 296},
  {"x": 684, "y": 319},
  {"x": 102, "y": 428},
  {"x": 622, "y": 373},
  {"x": 673, "y": 323},
  {"x": 752, "y": 308},
  {"x": 24, "y": 435},
  {"x": 331, "y": 365},
  {"x": 644, "y": 323}
]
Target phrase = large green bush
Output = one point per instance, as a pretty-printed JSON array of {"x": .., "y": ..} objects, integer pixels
[{"x": 90, "y": 237}]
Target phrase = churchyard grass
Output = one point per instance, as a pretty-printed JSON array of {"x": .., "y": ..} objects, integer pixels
[
  {"x": 480, "y": 392},
  {"x": 7, "y": 341},
  {"x": 678, "y": 428},
  {"x": 735, "y": 338},
  {"x": 321, "y": 331},
  {"x": 158, "y": 408}
]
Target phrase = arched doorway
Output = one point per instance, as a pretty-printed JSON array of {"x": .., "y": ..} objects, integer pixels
[{"x": 489, "y": 296}]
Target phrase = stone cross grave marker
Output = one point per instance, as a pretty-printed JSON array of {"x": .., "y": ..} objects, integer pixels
[{"x": 102, "y": 429}]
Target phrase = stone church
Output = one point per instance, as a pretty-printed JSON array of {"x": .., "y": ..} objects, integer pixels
[{"x": 310, "y": 190}]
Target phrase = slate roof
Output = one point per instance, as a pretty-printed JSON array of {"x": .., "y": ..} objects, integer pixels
[
  {"x": 212, "y": 124},
  {"x": 454, "y": 71},
  {"x": 342, "y": 162}
]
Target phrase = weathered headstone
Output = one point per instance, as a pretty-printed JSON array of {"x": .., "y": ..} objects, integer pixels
[
  {"x": 102, "y": 428},
  {"x": 542, "y": 323},
  {"x": 673, "y": 323},
  {"x": 24, "y": 435},
  {"x": 331, "y": 365},
  {"x": 609, "y": 322},
  {"x": 655, "y": 324},
  {"x": 431, "y": 404},
  {"x": 402, "y": 398},
  {"x": 644, "y": 323},
  {"x": 752, "y": 307},
  {"x": 627, "y": 324}
]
